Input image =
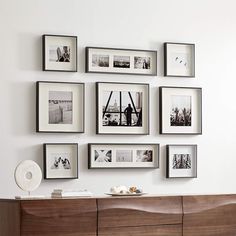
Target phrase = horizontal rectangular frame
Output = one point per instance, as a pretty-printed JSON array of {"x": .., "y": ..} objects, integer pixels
[
  {"x": 37, "y": 106},
  {"x": 167, "y": 159},
  {"x": 97, "y": 109},
  {"x": 44, "y": 48},
  {"x": 123, "y": 144},
  {"x": 161, "y": 112},
  {"x": 45, "y": 158},
  {"x": 165, "y": 60},
  {"x": 119, "y": 49}
]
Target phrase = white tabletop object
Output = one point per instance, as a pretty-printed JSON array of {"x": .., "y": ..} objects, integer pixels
[{"x": 28, "y": 175}]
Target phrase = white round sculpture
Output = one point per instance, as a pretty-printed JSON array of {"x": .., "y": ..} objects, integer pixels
[{"x": 28, "y": 175}]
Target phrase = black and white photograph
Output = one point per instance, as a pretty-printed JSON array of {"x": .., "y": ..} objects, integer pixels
[
  {"x": 100, "y": 60},
  {"x": 179, "y": 59},
  {"x": 121, "y": 61},
  {"x": 124, "y": 156},
  {"x": 180, "y": 114},
  {"x": 60, "y": 107},
  {"x": 119, "y": 155},
  {"x": 122, "y": 108},
  {"x": 144, "y": 156},
  {"x": 142, "y": 63},
  {"x": 103, "y": 155},
  {"x": 181, "y": 161},
  {"x": 180, "y": 110},
  {"x": 59, "y": 53},
  {"x": 60, "y": 160}
]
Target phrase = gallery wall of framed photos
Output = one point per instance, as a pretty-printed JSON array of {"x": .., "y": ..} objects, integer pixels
[{"x": 121, "y": 108}]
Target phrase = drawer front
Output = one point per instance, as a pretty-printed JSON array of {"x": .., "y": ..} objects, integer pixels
[
  {"x": 59, "y": 217},
  {"x": 209, "y": 215},
  {"x": 164, "y": 230},
  {"x": 134, "y": 211},
  {"x": 9, "y": 218}
]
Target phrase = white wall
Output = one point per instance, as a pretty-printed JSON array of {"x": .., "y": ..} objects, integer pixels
[{"x": 210, "y": 24}]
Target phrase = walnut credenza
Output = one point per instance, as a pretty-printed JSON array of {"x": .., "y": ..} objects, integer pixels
[{"x": 212, "y": 215}]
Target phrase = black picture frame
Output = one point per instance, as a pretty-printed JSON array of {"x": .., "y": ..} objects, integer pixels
[
  {"x": 50, "y": 174},
  {"x": 120, "y": 129},
  {"x": 165, "y": 110},
  {"x": 52, "y": 66},
  {"x": 130, "y": 67},
  {"x": 126, "y": 149},
  {"x": 42, "y": 107},
  {"x": 184, "y": 165},
  {"x": 176, "y": 64}
]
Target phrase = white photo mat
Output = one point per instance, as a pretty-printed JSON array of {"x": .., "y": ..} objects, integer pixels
[
  {"x": 191, "y": 150},
  {"x": 104, "y": 87},
  {"x": 60, "y": 41},
  {"x": 77, "y": 91},
  {"x": 196, "y": 110},
  {"x": 132, "y": 149},
  {"x": 180, "y": 60},
  {"x": 111, "y": 53},
  {"x": 69, "y": 151}
]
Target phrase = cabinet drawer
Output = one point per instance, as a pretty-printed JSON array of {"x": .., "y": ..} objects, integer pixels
[
  {"x": 209, "y": 215},
  {"x": 164, "y": 230},
  {"x": 134, "y": 211},
  {"x": 59, "y": 217}
]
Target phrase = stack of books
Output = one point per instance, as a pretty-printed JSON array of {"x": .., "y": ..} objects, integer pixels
[{"x": 59, "y": 193}]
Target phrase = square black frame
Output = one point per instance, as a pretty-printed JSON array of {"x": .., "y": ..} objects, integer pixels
[
  {"x": 161, "y": 110},
  {"x": 44, "y": 52},
  {"x": 45, "y": 159},
  {"x": 97, "y": 109},
  {"x": 168, "y": 160},
  {"x": 166, "y": 60},
  {"x": 38, "y": 112},
  {"x": 123, "y": 144},
  {"x": 87, "y": 70}
]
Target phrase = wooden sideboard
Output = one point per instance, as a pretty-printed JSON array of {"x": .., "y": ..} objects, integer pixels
[{"x": 212, "y": 215}]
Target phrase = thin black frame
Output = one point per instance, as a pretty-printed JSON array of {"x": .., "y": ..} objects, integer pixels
[
  {"x": 161, "y": 112},
  {"x": 120, "y": 49},
  {"x": 37, "y": 106},
  {"x": 44, "y": 53},
  {"x": 166, "y": 64},
  {"x": 45, "y": 158},
  {"x": 168, "y": 159},
  {"x": 97, "y": 109},
  {"x": 125, "y": 144}
]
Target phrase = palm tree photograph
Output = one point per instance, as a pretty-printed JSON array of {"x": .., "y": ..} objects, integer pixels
[{"x": 180, "y": 114}]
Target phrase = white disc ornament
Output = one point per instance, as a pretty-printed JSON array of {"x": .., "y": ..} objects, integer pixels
[{"x": 28, "y": 175}]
